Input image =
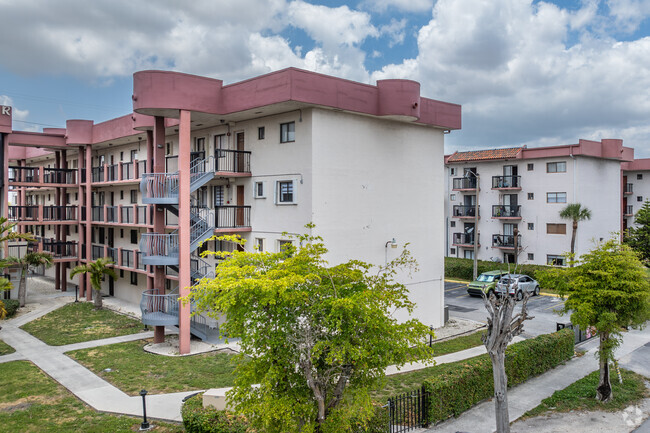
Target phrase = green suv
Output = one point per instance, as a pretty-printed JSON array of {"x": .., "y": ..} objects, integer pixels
[{"x": 485, "y": 283}]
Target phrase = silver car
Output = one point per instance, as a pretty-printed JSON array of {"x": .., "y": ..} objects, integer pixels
[{"x": 516, "y": 285}]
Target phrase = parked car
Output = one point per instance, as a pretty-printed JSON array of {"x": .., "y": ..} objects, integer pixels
[
  {"x": 485, "y": 283},
  {"x": 516, "y": 285}
]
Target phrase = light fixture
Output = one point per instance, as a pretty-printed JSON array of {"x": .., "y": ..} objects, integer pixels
[{"x": 392, "y": 243}]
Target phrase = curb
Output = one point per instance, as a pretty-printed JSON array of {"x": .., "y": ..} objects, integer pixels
[{"x": 449, "y": 280}]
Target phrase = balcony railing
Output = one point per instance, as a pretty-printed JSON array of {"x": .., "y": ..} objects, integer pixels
[
  {"x": 97, "y": 251},
  {"x": 505, "y": 241},
  {"x": 60, "y": 249},
  {"x": 629, "y": 188},
  {"x": 233, "y": 161},
  {"x": 111, "y": 253},
  {"x": 159, "y": 249},
  {"x": 98, "y": 174},
  {"x": 66, "y": 176},
  {"x": 463, "y": 239},
  {"x": 111, "y": 173},
  {"x": 159, "y": 309},
  {"x": 23, "y": 213},
  {"x": 142, "y": 215},
  {"x": 111, "y": 214},
  {"x": 127, "y": 258},
  {"x": 464, "y": 182},
  {"x": 97, "y": 213},
  {"x": 230, "y": 217},
  {"x": 506, "y": 211},
  {"x": 629, "y": 210},
  {"x": 463, "y": 211},
  {"x": 127, "y": 215},
  {"x": 59, "y": 213},
  {"x": 506, "y": 182},
  {"x": 140, "y": 264},
  {"x": 60, "y": 175},
  {"x": 23, "y": 174}
]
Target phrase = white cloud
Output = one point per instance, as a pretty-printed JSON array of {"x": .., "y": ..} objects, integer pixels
[
  {"x": 395, "y": 31},
  {"x": 629, "y": 13},
  {"x": 404, "y": 5},
  {"x": 16, "y": 114}
]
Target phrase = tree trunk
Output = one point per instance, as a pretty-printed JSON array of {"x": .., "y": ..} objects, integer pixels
[
  {"x": 22, "y": 287},
  {"x": 604, "y": 390},
  {"x": 573, "y": 242},
  {"x": 500, "y": 392},
  {"x": 98, "y": 299}
]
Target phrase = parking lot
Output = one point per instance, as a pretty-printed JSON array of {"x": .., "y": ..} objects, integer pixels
[{"x": 542, "y": 307}]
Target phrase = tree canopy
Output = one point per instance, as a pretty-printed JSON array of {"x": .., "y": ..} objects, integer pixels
[
  {"x": 97, "y": 270},
  {"x": 317, "y": 337},
  {"x": 639, "y": 237},
  {"x": 607, "y": 290}
]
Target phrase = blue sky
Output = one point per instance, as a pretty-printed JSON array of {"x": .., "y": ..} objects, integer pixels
[{"x": 526, "y": 72}]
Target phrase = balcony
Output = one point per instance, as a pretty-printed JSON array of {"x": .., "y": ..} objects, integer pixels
[
  {"x": 120, "y": 172},
  {"x": 43, "y": 175},
  {"x": 628, "y": 189},
  {"x": 232, "y": 217},
  {"x": 506, "y": 242},
  {"x": 464, "y": 183},
  {"x": 44, "y": 214},
  {"x": 629, "y": 211},
  {"x": 159, "y": 309},
  {"x": 463, "y": 211},
  {"x": 59, "y": 213},
  {"x": 122, "y": 214},
  {"x": 506, "y": 212},
  {"x": 464, "y": 240},
  {"x": 506, "y": 183},
  {"x": 229, "y": 162},
  {"x": 159, "y": 249}
]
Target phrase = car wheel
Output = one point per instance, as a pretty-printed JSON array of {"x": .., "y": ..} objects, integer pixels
[
  {"x": 536, "y": 292},
  {"x": 520, "y": 295}
]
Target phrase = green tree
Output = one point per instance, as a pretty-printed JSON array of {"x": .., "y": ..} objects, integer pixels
[
  {"x": 31, "y": 260},
  {"x": 5, "y": 284},
  {"x": 639, "y": 237},
  {"x": 97, "y": 270},
  {"x": 317, "y": 337},
  {"x": 607, "y": 290},
  {"x": 576, "y": 213},
  {"x": 8, "y": 233}
]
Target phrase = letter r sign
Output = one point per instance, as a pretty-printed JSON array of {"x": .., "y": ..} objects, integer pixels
[{"x": 5, "y": 110}]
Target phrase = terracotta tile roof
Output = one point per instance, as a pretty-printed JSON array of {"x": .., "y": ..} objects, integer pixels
[{"x": 482, "y": 155}]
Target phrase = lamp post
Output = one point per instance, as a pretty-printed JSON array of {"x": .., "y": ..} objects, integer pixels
[{"x": 145, "y": 424}]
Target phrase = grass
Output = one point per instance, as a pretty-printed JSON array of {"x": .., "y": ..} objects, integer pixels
[
  {"x": 133, "y": 369},
  {"x": 5, "y": 349},
  {"x": 581, "y": 395},
  {"x": 77, "y": 322},
  {"x": 457, "y": 344},
  {"x": 46, "y": 407}
]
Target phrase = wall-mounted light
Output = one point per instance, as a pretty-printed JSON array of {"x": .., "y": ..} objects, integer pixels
[{"x": 392, "y": 243}]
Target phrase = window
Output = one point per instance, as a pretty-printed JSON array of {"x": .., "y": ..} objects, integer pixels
[
  {"x": 121, "y": 194},
  {"x": 259, "y": 190},
  {"x": 134, "y": 236},
  {"x": 134, "y": 278},
  {"x": 531, "y": 196},
  {"x": 452, "y": 197},
  {"x": 452, "y": 171},
  {"x": 134, "y": 196},
  {"x": 121, "y": 233},
  {"x": 639, "y": 176},
  {"x": 555, "y": 229},
  {"x": 452, "y": 224},
  {"x": 556, "y": 167},
  {"x": 531, "y": 167},
  {"x": 218, "y": 195},
  {"x": 554, "y": 260},
  {"x": 259, "y": 244},
  {"x": 121, "y": 273},
  {"x": 260, "y": 133},
  {"x": 285, "y": 192},
  {"x": 121, "y": 156},
  {"x": 287, "y": 132},
  {"x": 468, "y": 254},
  {"x": 531, "y": 256},
  {"x": 531, "y": 226},
  {"x": 639, "y": 198},
  {"x": 556, "y": 197},
  {"x": 452, "y": 251},
  {"x": 134, "y": 155},
  {"x": 283, "y": 245},
  {"x": 199, "y": 145},
  {"x": 76, "y": 196}
]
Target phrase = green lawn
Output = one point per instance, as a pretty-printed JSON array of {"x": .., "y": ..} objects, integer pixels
[
  {"x": 5, "y": 349},
  {"x": 457, "y": 344},
  {"x": 46, "y": 407},
  {"x": 581, "y": 395},
  {"x": 77, "y": 322},
  {"x": 133, "y": 369}
]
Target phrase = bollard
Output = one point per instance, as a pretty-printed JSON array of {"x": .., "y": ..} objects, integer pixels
[
  {"x": 76, "y": 293},
  {"x": 145, "y": 424},
  {"x": 430, "y": 336}
]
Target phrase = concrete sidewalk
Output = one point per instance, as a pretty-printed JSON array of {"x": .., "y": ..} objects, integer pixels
[{"x": 522, "y": 398}]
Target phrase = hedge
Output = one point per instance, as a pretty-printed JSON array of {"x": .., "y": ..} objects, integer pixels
[
  {"x": 11, "y": 305},
  {"x": 199, "y": 419},
  {"x": 464, "y": 268},
  {"x": 469, "y": 382}
]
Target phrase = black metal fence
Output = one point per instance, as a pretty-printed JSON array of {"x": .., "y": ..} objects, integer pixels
[{"x": 408, "y": 411}]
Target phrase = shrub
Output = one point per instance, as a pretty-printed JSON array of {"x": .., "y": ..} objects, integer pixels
[
  {"x": 469, "y": 382},
  {"x": 199, "y": 419},
  {"x": 11, "y": 305},
  {"x": 464, "y": 268}
]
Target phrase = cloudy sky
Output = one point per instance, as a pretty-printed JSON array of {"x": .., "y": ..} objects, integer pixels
[{"x": 526, "y": 72}]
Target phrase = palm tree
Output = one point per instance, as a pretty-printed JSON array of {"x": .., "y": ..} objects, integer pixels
[
  {"x": 576, "y": 213},
  {"x": 5, "y": 284},
  {"x": 31, "y": 260},
  {"x": 7, "y": 233},
  {"x": 97, "y": 270}
]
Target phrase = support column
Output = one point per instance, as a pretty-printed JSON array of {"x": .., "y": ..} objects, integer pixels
[
  {"x": 81, "y": 234},
  {"x": 63, "y": 198},
  {"x": 156, "y": 151},
  {"x": 57, "y": 227},
  {"x": 22, "y": 196},
  {"x": 184, "y": 277},
  {"x": 4, "y": 196},
  {"x": 89, "y": 202}
]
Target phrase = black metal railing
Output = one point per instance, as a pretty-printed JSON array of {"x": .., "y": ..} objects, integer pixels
[
  {"x": 59, "y": 213},
  {"x": 499, "y": 182},
  {"x": 463, "y": 239},
  {"x": 228, "y": 217},
  {"x": 505, "y": 241},
  {"x": 142, "y": 214},
  {"x": 127, "y": 259},
  {"x": 141, "y": 265},
  {"x": 60, "y": 175},
  {"x": 23, "y": 174},
  {"x": 629, "y": 188},
  {"x": 98, "y": 174},
  {"x": 128, "y": 171},
  {"x": 506, "y": 211},
  {"x": 464, "y": 182},
  {"x": 407, "y": 412},
  {"x": 97, "y": 213},
  {"x": 233, "y": 161},
  {"x": 23, "y": 213},
  {"x": 465, "y": 211},
  {"x": 111, "y": 173},
  {"x": 111, "y": 214},
  {"x": 142, "y": 167},
  {"x": 60, "y": 249},
  {"x": 111, "y": 253},
  {"x": 127, "y": 215},
  {"x": 97, "y": 251}
]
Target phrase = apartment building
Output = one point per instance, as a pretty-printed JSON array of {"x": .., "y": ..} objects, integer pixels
[
  {"x": 261, "y": 157},
  {"x": 636, "y": 189},
  {"x": 519, "y": 193}
]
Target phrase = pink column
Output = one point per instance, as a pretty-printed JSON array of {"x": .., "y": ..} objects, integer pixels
[
  {"x": 5, "y": 188},
  {"x": 157, "y": 151},
  {"x": 89, "y": 228},
  {"x": 81, "y": 239},
  {"x": 184, "y": 277},
  {"x": 22, "y": 200}
]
